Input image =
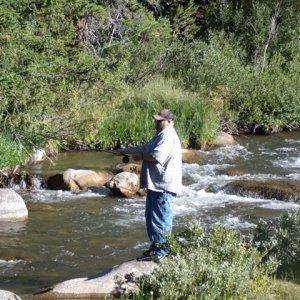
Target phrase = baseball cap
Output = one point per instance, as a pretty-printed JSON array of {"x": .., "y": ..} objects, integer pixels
[{"x": 164, "y": 114}]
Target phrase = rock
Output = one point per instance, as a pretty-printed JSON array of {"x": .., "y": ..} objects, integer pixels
[
  {"x": 233, "y": 172},
  {"x": 6, "y": 295},
  {"x": 132, "y": 168},
  {"x": 37, "y": 157},
  {"x": 224, "y": 139},
  {"x": 191, "y": 156},
  {"x": 56, "y": 182},
  {"x": 12, "y": 206},
  {"x": 40, "y": 206},
  {"x": 124, "y": 184},
  {"x": 115, "y": 281},
  {"x": 76, "y": 180},
  {"x": 271, "y": 189}
]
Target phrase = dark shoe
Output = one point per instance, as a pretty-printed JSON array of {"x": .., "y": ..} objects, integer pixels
[{"x": 148, "y": 253}]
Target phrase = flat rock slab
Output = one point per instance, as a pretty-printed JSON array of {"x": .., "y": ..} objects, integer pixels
[
  {"x": 6, "y": 295},
  {"x": 271, "y": 189},
  {"x": 12, "y": 206},
  {"x": 115, "y": 281}
]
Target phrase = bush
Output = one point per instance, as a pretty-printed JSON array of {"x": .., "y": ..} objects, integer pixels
[
  {"x": 11, "y": 153},
  {"x": 280, "y": 238},
  {"x": 214, "y": 265},
  {"x": 255, "y": 100}
]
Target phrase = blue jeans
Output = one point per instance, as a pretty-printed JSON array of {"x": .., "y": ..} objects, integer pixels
[{"x": 159, "y": 218}]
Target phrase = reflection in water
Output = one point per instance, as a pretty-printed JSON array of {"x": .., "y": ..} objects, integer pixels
[{"x": 70, "y": 235}]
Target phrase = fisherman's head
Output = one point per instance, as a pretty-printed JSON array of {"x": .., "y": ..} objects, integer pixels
[{"x": 163, "y": 120}]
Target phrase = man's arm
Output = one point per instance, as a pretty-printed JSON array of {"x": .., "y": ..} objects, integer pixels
[
  {"x": 137, "y": 154},
  {"x": 130, "y": 150}
]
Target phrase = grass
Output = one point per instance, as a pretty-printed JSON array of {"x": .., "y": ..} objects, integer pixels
[{"x": 132, "y": 121}]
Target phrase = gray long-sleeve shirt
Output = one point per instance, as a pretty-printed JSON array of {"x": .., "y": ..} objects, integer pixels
[{"x": 166, "y": 173}]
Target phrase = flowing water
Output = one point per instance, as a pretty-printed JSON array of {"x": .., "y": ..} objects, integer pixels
[{"x": 68, "y": 236}]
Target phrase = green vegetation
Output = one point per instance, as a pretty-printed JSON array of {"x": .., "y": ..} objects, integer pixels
[
  {"x": 11, "y": 152},
  {"x": 196, "y": 121},
  {"x": 214, "y": 265},
  {"x": 93, "y": 72},
  {"x": 281, "y": 239},
  {"x": 223, "y": 264}
]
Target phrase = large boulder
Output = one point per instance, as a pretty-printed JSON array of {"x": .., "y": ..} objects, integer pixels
[
  {"x": 132, "y": 168},
  {"x": 115, "y": 281},
  {"x": 191, "y": 156},
  {"x": 6, "y": 295},
  {"x": 124, "y": 184},
  {"x": 224, "y": 139},
  {"x": 76, "y": 180},
  {"x": 12, "y": 206},
  {"x": 270, "y": 189}
]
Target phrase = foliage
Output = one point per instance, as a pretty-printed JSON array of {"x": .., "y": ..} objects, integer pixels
[
  {"x": 255, "y": 100},
  {"x": 69, "y": 71},
  {"x": 11, "y": 153},
  {"x": 217, "y": 264},
  {"x": 131, "y": 122},
  {"x": 280, "y": 238}
]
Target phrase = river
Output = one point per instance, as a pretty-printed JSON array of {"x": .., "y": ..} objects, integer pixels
[{"x": 68, "y": 236}]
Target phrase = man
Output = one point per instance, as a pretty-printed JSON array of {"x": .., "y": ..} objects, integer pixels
[{"x": 161, "y": 175}]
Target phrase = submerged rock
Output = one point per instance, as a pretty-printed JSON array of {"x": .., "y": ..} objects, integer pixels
[
  {"x": 270, "y": 189},
  {"x": 132, "y": 168},
  {"x": 124, "y": 184},
  {"x": 191, "y": 156},
  {"x": 76, "y": 180},
  {"x": 224, "y": 139},
  {"x": 115, "y": 281},
  {"x": 6, "y": 295},
  {"x": 233, "y": 172},
  {"x": 12, "y": 206}
]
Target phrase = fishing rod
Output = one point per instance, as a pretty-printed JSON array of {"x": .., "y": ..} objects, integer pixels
[{"x": 125, "y": 158}]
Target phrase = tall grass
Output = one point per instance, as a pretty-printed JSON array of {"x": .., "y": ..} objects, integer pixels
[{"x": 132, "y": 121}]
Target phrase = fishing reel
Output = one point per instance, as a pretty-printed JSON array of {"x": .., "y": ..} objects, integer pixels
[{"x": 125, "y": 159}]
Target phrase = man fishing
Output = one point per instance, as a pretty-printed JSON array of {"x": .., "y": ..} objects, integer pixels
[{"x": 161, "y": 175}]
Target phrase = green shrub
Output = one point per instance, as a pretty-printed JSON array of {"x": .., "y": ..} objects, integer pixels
[
  {"x": 280, "y": 238},
  {"x": 11, "y": 153},
  {"x": 218, "y": 264},
  {"x": 256, "y": 100}
]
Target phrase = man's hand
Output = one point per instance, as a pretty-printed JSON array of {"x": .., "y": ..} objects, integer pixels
[{"x": 136, "y": 155}]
